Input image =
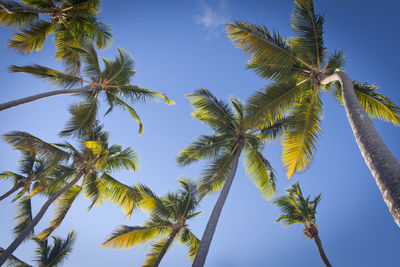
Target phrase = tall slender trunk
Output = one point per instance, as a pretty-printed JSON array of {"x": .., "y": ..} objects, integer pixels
[
  {"x": 12, "y": 190},
  {"x": 32, "y": 98},
  {"x": 165, "y": 248},
  {"x": 208, "y": 234},
  {"x": 21, "y": 237},
  {"x": 24, "y": 9},
  {"x": 321, "y": 251},
  {"x": 381, "y": 162}
]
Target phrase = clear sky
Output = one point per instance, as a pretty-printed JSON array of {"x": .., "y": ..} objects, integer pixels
[{"x": 181, "y": 46}]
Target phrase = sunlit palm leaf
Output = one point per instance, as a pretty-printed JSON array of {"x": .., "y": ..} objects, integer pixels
[
  {"x": 15, "y": 20},
  {"x": 191, "y": 241},
  {"x": 299, "y": 142},
  {"x": 82, "y": 120},
  {"x": 155, "y": 251},
  {"x": 126, "y": 159},
  {"x": 129, "y": 236},
  {"x": 24, "y": 216}
]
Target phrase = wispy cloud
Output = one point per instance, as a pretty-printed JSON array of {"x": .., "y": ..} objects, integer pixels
[{"x": 212, "y": 19}]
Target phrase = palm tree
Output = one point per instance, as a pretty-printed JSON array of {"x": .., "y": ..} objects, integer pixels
[
  {"x": 93, "y": 162},
  {"x": 301, "y": 69},
  {"x": 112, "y": 84},
  {"x": 47, "y": 255},
  {"x": 167, "y": 223},
  {"x": 34, "y": 172},
  {"x": 232, "y": 133},
  {"x": 72, "y": 22},
  {"x": 298, "y": 209}
]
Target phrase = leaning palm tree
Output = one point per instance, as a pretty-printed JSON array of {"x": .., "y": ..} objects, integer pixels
[
  {"x": 113, "y": 84},
  {"x": 167, "y": 223},
  {"x": 72, "y": 22},
  {"x": 301, "y": 70},
  {"x": 298, "y": 209},
  {"x": 47, "y": 255},
  {"x": 232, "y": 133},
  {"x": 92, "y": 163}
]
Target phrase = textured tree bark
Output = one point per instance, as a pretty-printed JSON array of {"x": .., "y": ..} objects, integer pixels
[
  {"x": 383, "y": 165},
  {"x": 32, "y": 98},
  {"x": 208, "y": 234},
  {"x": 12, "y": 190},
  {"x": 14, "y": 245},
  {"x": 321, "y": 251},
  {"x": 165, "y": 248}
]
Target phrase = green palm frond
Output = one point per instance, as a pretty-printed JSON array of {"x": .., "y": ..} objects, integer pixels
[
  {"x": 120, "y": 70},
  {"x": 13, "y": 261},
  {"x": 155, "y": 251},
  {"x": 31, "y": 37},
  {"x": 126, "y": 159},
  {"x": 207, "y": 108},
  {"x": 299, "y": 142},
  {"x": 27, "y": 142},
  {"x": 150, "y": 202},
  {"x": 15, "y": 20},
  {"x": 191, "y": 241},
  {"x": 54, "y": 255},
  {"x": 274, "y": 131},
  {"x": 129, "y": 236},
  {"x": 93, "y": 190},
  {"x": 71, "y": 58},
  {"x": 89, "y": 55},
  {"x": 203, "y": 147},
  {"x": 83, "y": 118},
  {"x": 308, "y": 27},
  {"x": 45, "y": 4},
  {"x": 261, "y": 46},
  {"x": 24, "y": 216},
  {"x": 213, "y": 177},
  {"x": 271, "y": 104},
  {"x": 54, "y": 77},
  {"x": 260, "y": 170},
  {"x": 61, "y": 208},
  {"x": 135, "y": 93},
  {"x": 336, "y": 61},
  {"x": 375, "y": 104}
]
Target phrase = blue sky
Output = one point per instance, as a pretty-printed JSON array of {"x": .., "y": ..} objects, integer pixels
[{"x": 181, "y": 46}]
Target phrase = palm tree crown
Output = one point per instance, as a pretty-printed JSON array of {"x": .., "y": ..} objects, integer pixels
[
  {"x": 168, "y": 220},
  {"x": 113, "y": 84},
  {"x": 73, "y": 22},
  {"x": 297, "y": 67}
]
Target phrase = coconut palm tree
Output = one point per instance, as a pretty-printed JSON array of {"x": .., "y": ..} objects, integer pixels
[
  {"x": 167, "y": 223},
  {"x": 47, "y": 255},
  {"x": 92, "y": 163},
  {"x": 112, "y": 84},
  {"x": 72, "y": 22},
  {"x": 301, "y": 69},
  {"x": 297, "y": 209},
  {"x": 233, "y": 132},
  {"x": 34, "y": 173}
]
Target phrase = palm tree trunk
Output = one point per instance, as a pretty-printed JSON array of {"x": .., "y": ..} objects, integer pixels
[
  {"x": 14, "y": 245},
  {"x": 32, "y": 98},
  {"x": 381, "y": 162},
  {"x": 321, "y": 251},
  {"x": 12, "y": 190},
  {"x": 24, "y": 9},
  {"x": 208, "y": 234},
  {"x": 165, "y": 248}
]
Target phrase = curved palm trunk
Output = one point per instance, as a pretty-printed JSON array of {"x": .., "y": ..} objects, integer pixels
[
  {"x": 165, "y": 248},
  {"x": 208, "y": 234},
  {"x": 32, "y": 98},
  {"x": 13, "y": 246},
  {"x": 7, "y": 194},
  {"x": 321, "y": 251},
  {"x": 381, "y": 162},
  {"x": 24, "y": 9}
]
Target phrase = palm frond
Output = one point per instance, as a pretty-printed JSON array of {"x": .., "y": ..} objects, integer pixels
[
  {"x": 120, "y": 70},
  {"x": 83, "y": 118},
  {"x": 60, "y": 250},
  {"x": 203, "y": 147},
  {"x": 131, "y": 236},
  {"x": 24, "y": 216},
  {"x": 155, "y": 251},
  {"x": 261, "y": 46},
  {"x": 42, "y": 4},
  {"x": 54, "y": 77},
  {"x": 135, "y": 93},
  {"x": 336, "y": 62},
  {"x": 61, "y": 208},
  {"x": 31, "y": 37},
  {"x": 71, "y": 58},
  {"x": 191, "y": 241},
  {"x": 299, "y": 142},
  {"x": 15, "y": 19},
  {"x": 126, "y": 159},
  {"x": 13, "y": 261},
  {"x": 260, "y": 170},
  {"x": 308, "y": 28}
]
